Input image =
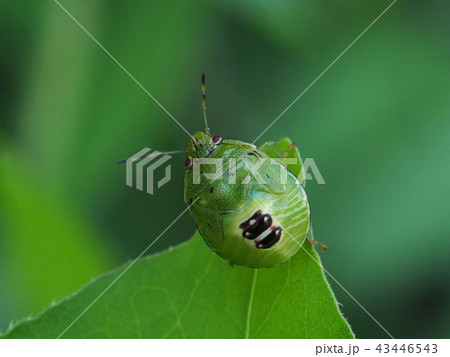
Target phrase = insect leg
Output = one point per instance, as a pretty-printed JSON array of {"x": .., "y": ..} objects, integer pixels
[
  {"x": 314, "y": 242},
  {"x": 310, "y": 239}
]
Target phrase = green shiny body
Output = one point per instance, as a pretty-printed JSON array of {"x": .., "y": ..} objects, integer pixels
[{"x": 220, "y": 207}]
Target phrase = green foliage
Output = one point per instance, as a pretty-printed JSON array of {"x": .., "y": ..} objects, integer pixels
[{"x": 189, "y": 292}]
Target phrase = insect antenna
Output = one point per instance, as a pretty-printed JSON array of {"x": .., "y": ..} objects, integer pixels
[
  {"x": 204, "y": 104},
  {"x": 133, "y": 159}
]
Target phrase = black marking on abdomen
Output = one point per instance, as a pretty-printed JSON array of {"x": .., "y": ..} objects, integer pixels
[
  {"x": 244, "y": 224},
  {"x": 270, "y": 239},
  {"x": 257, "y": 225}
]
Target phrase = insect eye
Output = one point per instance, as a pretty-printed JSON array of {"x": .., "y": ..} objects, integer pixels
[
  {"x": 188, "y": 162},
  {"x": 216, "y": 139}
]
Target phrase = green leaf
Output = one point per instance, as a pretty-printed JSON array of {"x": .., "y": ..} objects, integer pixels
[{"x": 189, "y": 292}]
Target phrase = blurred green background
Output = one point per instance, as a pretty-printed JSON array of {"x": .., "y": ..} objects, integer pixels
[{"x": 377, "y": 125}]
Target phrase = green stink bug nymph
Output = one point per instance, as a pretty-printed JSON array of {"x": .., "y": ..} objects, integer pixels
[{"x": 251, "y": 220}]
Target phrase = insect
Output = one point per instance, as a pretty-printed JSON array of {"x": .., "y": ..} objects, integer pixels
[{"x": 251, "y": 219}]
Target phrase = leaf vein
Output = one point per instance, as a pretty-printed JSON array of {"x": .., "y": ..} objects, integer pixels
[
  {"x": 250, "y": 303},
  {"x": 191, "y": 298},
  {"x": 286, "y": 284}
]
